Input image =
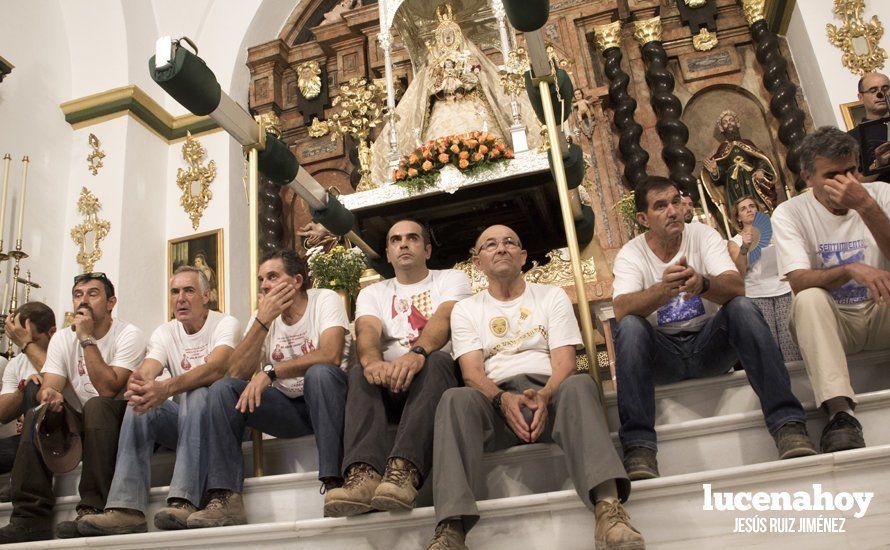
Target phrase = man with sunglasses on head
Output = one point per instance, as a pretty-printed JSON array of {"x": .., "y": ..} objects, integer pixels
[
  {"x": 515, "y": 343},
  {"x": 86, "y": 371},
  {"x": 403, "y": 332},
  {"x": 193, "y": 349},
  {"x": 874, "y": 93}
]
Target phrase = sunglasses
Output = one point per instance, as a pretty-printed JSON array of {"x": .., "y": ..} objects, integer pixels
[{"x": 92, "y": 276}]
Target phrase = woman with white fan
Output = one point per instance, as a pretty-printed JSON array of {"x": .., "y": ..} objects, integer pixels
[{"x": 754, "y": 253}]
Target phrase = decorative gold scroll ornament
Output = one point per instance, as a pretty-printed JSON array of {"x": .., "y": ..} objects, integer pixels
[
  {"x": 856, "y": 38},
  {"x": 647, "y": 30},
  {"x": 195, "y": 200},
  {"x": 557, "y": 271},
  {"x": 704, "y": 40},
  {"x": 88, "y": 234},
  {"x": 270, "y": 123},
  {"x": 513, "y": 73},
  {"x": 309, "y": 79},
  {"x": 607, "y": 36},
  {"x": 754, "y": 10},
  {"x": 94, "y": 159}
]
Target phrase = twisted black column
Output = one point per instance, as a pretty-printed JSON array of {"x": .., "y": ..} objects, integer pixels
[
  {"x": 270, "y": 215},
  {"x": 783, "y": 104},
  {"x": 632, "y": 153},
  {"x": 673, "y": 132}
]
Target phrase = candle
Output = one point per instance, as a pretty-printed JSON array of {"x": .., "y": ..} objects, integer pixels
[
  {"x": 22, "y": 198},
  {"x": 6, "y": 160},
  {"x": 5, "y": 295}
]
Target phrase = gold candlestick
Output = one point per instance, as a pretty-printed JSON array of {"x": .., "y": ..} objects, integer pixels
[
  {"x": 29, "y": 284},
  {"x": 18, "y": 255}
]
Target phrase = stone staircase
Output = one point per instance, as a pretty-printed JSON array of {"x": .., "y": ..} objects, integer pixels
[{"x": 710, "y": 431}]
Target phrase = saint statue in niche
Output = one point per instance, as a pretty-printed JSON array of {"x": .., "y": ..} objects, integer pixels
[
  {"x": 738, "y": 168},
  {"x": 582, "y": 114}
]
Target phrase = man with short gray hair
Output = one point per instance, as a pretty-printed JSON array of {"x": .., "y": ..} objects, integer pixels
[
  {"x": 833, "y": 247},
  {"x": 193, "y": 349}
]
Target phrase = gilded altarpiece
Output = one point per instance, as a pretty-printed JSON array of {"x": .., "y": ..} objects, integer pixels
[{"x": 346, "y": 45}]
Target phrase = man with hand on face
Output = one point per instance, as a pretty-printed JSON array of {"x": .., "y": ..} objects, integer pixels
[
  {"x": 681, "y": 310},
  {"x": 403, "y": 332},
  {"x": 300, "y": 338},
  {"x": 91, "y": 363},
  {"x": 874, "y": 93},
  {"x": 30, "y": 329},
  {"x": 834, "y": 249},
  {"x": 516, "y": 346},
  {"x": 194, "y": 348}
]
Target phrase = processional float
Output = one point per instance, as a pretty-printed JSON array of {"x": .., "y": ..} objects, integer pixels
[{"x": 186, "y": 78}]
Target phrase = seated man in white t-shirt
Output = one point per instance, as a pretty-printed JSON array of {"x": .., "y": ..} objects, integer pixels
[
  {"x": 515, "y": 343},
  {"x": 834, "y": 249},
  {"x": 194, "y": 350},
  {"x": 681, "y": 310},
  {"x": 86, "y": 371},
  {"x": 30, "y": 329},
  {"x": 286, "y": 378},
  {"x": 405, "y": 364}
]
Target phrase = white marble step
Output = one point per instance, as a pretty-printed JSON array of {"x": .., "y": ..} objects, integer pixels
[
  {"x": 685, "y": 448},
  {"x": 676, "y": 403},
  {"x": 668, "y": 511}
]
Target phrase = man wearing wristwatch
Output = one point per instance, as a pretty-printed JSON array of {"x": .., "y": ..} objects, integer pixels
[
  {"x": 302, "y": 391},
  {"x": 405, "y": 364},
  {"x": 515, "y": 343},
  {"x": 185, "y": 355},
  {"x": 681, "y": 311},
  {"x": 86, "y": 371}
]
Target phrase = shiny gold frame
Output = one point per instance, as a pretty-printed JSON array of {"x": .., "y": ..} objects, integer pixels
[
  {"x": 853, "y": 112},
  {"x": 218, "y": 268}
]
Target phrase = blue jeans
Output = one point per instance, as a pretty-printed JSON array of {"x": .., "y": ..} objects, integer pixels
[
  {"x": 320, "y": 411},
  {"x": 182, "y": 427},
  {"x": 647, "y": 357}
]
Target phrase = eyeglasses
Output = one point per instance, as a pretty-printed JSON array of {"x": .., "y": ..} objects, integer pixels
[
  {"x": 92, "y": 276},
  {"x": 491, "y": 245},
  {"x": 874, "y": 90}
]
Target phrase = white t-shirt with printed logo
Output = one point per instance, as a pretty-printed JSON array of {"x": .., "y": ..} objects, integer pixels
[
  {"x": 516, "y": 336},
  {"x": 284, "y": 342},
  {"x": 808, "y": 236},
  {"x": 638, "y": 268},
  {"x": 11, "y": 377},
  {"x": 404, "y": 310},
  {"x": 180, "y": 352},
  {"x": 123, "y": 346},
  {"x": 762, "y": 279}
]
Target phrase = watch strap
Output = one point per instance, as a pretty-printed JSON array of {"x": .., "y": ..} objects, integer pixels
[
  {"x": 705, "y": 284},
  {"x": 87, "y": 342},
  {"x": 420, "y": 351},
  {"x": 496, "y": 401},
  {"x": 270, "y": 372}
]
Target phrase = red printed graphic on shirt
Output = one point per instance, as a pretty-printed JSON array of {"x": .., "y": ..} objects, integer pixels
[{"x": 409, "y": 317}]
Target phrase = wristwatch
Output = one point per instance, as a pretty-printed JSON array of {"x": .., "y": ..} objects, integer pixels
[
  {"x": 87, "y": 342},
  {"x": 705, "y": 284},
  {"x": 496, "y": 401},
  {"x": 270, "y": 372},
  {"x": 420, "y": 351}
]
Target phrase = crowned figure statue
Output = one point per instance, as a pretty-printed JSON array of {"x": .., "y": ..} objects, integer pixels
[{"x": 457, "y": 90}]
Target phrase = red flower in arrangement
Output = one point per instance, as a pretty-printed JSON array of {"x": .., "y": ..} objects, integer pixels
[
  {"x": 412, "y": 158},
  {"x": 444, "y": 158},
  {"x": 463, "y": 155},
  {"x": 483, "y": 149},
  {"x": 495, "y": 154},
  {"x": 472, "y": 143},
  {"x": 509, "y": 154},
  {"x": 464, "y": 151},
  {"x": 412, "y": 172},
  {"x": 463, "y": 164},
  {"x": 478, "y": 157},
  {"x": 427, "y": 166},
  {"x": 399, "y": 174},
  {"x": 455, "y": 148}
]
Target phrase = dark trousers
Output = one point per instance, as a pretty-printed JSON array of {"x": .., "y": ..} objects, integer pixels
[
  {"x": 646, "y": 357},
  {"x": 32, "y": 482},
  {"x": 8, "y": 448},
  {"x": 370, "y": 407}
]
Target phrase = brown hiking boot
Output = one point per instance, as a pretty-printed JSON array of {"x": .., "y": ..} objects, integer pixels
[
  {"x": 398, "y": 490},
  {"x": 175, "y": 515},
  {"x": 842, "y": 432},
  {"x": 792, "y": 441},
  {"x": 224, "y": 508},
  {"x": 355, "y": 496},
  {"x": 640, "y": 463},
  {"x": 613, "y": 528},
  {"x": 449, "y": 536},
  {"x": 116, "y": 521},
  {"x": 68, "y": 529}
]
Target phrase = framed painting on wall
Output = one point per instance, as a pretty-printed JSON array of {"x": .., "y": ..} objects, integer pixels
[
  {"x": 853, "y": 113},
  {"x": 205, "y": 252}
]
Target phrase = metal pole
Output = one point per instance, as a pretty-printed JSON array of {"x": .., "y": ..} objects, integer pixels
[
  {"x": 253, "y": 156},
  {"x": 569, "y": 224}
]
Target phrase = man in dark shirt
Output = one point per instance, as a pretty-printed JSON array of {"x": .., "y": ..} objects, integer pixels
[{"x": 875, "y": 157}]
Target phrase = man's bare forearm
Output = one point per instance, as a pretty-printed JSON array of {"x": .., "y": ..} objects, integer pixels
[
  {"x": 102, "y": 375},
  {"x": 248, "y": 354},
  {"x": 642, "y": 303},
  {"x": 878, "y": 224},
  {"x": 829, "y": 278},
  {"x": 725, "y": 287}
]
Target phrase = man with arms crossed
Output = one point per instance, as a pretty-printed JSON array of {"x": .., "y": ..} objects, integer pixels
[
  {"x": 194, "y": 348},
  {"x": 91, "y": 364},
  {"x": 403, "y": 332},
  {"x": 516, "y": 346},
  {"x": 833, "y": 248}
]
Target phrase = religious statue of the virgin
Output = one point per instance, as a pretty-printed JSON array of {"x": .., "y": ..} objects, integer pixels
[{"x": 457, "y": 90}]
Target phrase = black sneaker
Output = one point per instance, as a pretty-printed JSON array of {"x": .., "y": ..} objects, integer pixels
[
  {"x": 68, "y": 529},
  {"x": 842, "y": 433},
  {"x": 15, "y": 532},
  {"x": 640, "y": 463},
  {"x": 793, "y": 441}
]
